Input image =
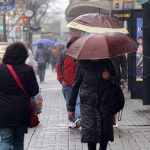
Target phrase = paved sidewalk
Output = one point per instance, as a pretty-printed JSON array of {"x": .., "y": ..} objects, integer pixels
[{"x": 133, "y": 132}]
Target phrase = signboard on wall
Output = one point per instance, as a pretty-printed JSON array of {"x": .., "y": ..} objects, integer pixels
[
  {"x": 3, "y": 46},
  {"x": 6, "y": 5},
  {"x": 123, "y": 4},
  {"x": 5, "y": 1},
  {"x": 139, "y": 53},
  {"x": 143, "y": 1}
]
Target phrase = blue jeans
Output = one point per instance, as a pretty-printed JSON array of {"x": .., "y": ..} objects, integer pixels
[
  {"x": 12, "y": 138},
  {"x": 41, "y": 71},
  {"x": 66, "y": 90}
]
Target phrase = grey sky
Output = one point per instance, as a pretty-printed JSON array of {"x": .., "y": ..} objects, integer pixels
[{"x": 56, "y": 10}]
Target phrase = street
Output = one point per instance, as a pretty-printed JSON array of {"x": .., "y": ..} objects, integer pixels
[{"x": 133, "y": 132}]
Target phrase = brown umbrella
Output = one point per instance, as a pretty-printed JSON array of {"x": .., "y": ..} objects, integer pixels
[
  {"x": 97, "y": 23},
  {"x": 102, "y": 45}
]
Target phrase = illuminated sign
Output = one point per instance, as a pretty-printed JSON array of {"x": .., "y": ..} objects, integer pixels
[
  {"x": 123, "y": 4},
  {"x": 143, "y": 1},
  {"x": 7, "y": 5},
  {"x": 6, "y": 1},
  {"x": 122, "y": 15}
]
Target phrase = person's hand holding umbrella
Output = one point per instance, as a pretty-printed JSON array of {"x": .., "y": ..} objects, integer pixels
[{"x": 105, "y": 75}]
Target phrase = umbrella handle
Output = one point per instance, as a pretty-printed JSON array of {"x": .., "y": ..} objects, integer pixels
[{"x": 120, "y": 115}]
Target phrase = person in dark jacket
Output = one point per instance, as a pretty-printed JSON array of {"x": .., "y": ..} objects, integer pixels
[
  {"x": 14, "y": 109},
  {"x": 93, "y": 78},
  {"x": 41, "y": 57},
  {"x": 120, "y": 63},
  {"x": 65, "y": 69}
]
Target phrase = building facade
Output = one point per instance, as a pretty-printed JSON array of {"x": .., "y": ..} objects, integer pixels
[{"x": 79, "y": 7}]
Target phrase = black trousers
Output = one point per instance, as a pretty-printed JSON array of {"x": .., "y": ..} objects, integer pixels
[{"x": 103, "y": 145}]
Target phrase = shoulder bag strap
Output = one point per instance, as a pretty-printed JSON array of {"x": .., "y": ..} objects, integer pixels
[{"x": 16, "y": 78}]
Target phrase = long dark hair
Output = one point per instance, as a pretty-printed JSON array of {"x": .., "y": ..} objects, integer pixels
[{"x": 15, "y": 54}]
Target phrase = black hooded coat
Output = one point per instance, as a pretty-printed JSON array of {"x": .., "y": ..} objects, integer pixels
[{"x": 97, "y": 122}]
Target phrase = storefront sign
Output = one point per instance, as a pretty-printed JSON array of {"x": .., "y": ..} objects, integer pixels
[
  {"x": 143, "y": 1},
  {"x": 123, "y": 4},
  {"x": 6, "y": 5},
  {"x": 126, "y": 15},
  {"x": 121, "y": 14}
]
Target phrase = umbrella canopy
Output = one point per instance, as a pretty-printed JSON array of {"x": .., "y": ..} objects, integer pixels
[
  {"x": 56, "y": 43},
  {"x": 45, "y": 42},
  {"x": 101, "y": 46},
  {"x": 97, "y": 23}
]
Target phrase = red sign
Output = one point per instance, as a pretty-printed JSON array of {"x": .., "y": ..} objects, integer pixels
[
  {"x": 18, "y": 29},
  {"x": 24, "y": 19}
]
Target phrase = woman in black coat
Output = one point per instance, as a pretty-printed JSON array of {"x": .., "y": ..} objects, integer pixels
[
  {"x": 14, "y": 109},
  {"x": 93, "y": 78}
]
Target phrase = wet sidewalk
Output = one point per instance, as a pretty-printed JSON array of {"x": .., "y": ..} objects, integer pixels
[{"x": 133, "y": 132}]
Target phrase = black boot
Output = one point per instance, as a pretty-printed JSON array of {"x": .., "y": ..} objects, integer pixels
[
  {"x": 91, "y": 146},
  {"x": 103, "y": 145}
]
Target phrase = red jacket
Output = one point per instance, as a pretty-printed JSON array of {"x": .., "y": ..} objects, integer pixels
[{"x": 65, "y": 69}]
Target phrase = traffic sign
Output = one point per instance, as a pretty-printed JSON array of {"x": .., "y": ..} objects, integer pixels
[{"x": 29, "y": 13}]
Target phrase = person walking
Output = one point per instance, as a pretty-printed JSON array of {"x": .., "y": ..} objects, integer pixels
[
  {"x": 54, "y": 57},
  {"x": 41, "y": 57},
  {"x": 120, "y": 63},
  {"x": 93, "y": 78},
  {"x": 65, "y": 69},
  {"x": 31, "y": 62},
  {"x": 14, "y": 110}
]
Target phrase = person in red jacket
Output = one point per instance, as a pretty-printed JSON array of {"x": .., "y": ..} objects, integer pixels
[{"x": 65, "y": 69}]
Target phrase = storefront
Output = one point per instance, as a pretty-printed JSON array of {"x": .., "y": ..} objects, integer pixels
[
  {"x": 138, "y": 24},
  {"x": 146, "y": 56},
  {"x": 133, "y": 20}
]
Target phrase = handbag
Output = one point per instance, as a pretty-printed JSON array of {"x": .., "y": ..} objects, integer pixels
[
  {"x": 34, "y": 120},
  {"x": 115, "y": 97},
  {"x": 37, "y": 103},
  {"x": 118, "y": 99}
]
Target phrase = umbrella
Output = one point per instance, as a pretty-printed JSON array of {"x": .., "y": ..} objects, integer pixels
[
  {"x": 45, "y": 42},
  {"x": 101, "y": 46},
  {"x": 56, "y": 43},
  {"x": 97, "y": 23}
]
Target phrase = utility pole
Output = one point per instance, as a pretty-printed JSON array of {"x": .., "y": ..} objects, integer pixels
[{"x": 29, "y": 33}]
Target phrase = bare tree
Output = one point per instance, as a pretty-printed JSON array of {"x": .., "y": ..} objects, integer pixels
[{"x": 39, "y": 8}]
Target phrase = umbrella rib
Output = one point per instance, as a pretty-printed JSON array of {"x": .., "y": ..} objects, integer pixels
[
  {"x": 83, "y": 46},
  {"x": 107, "y": 44}
]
